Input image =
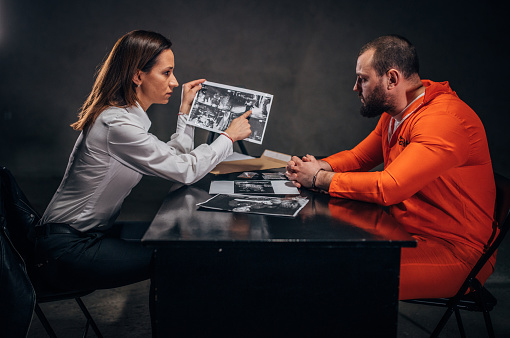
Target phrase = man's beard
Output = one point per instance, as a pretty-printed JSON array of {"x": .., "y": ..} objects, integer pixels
[{"x": 375, "y": 104}]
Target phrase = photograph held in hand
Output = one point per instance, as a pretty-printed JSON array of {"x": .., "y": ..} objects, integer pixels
[{"x": 216, "y": 105}]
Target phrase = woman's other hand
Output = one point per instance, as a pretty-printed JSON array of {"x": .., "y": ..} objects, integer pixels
[
  {"x": 239, "y": 128},
  {"x": 189, "y": 91}
]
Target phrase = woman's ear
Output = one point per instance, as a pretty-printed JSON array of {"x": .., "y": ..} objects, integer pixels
[{"x": 137, "y": 78}]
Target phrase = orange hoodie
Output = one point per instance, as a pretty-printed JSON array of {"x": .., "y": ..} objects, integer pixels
[{"x": 437, "y": 177}]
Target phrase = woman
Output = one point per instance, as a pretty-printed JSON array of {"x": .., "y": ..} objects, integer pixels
[{"x": 75, "y": 241}]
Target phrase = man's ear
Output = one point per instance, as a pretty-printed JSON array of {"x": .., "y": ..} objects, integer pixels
[
  {"x": 394, "y": 78},
  {"x": 137, "y": 78}
]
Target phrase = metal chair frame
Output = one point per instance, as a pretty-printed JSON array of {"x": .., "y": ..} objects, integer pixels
[{"x": 478, "y": 298}]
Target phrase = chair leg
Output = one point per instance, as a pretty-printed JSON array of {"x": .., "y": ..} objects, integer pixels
[
  {"x": 86, "y": 329},
  {"x": 488, "y": 323},
  {"x": 481, "y": 303},
  {"x": 459, "y": 323},
  {"x": 44, "y": 321},
  {"x": 442, "y": 322},
  {"x": 90, "y": 320}
]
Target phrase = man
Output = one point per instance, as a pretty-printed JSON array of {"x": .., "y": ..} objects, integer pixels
[{"x": 437, "y": 178}]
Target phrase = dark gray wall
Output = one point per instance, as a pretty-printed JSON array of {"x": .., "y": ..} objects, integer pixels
[{"x": 302, "y": 52}]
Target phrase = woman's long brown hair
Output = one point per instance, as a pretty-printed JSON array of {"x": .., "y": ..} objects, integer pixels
[{"x": 114, "y": 87}]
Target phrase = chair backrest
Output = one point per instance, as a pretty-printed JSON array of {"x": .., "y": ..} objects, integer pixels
[
  {"x": 17, "y": 296},
  {"x": 502, "y": 199},
  {"x": 21, "y": 218},
  {"x": 501, "y": 220}
]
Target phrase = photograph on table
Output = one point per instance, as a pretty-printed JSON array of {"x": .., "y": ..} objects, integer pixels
[
  {"x": 278, "y": 187},
  {"x": 258, "y": 187},
  {"x": 274, "y": 206},
  {"x": 216, "y": 105}
]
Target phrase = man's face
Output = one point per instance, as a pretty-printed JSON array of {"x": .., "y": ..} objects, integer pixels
[{"x": 370, "y": 88}]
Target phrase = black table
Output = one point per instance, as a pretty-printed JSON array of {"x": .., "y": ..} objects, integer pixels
[{"x": 331, "y": 271}]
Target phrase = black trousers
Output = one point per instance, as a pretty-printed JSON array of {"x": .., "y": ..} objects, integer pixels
[{"x": 69, "y": 259}]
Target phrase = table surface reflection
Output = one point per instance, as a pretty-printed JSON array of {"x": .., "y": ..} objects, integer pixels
[{"x": 323, "y": 219}]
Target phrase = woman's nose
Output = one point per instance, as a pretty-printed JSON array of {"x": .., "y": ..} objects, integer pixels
[{"x": 173, "y": 82}]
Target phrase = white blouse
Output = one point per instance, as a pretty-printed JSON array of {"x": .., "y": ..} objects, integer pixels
[{"x": 109, "y": 159}]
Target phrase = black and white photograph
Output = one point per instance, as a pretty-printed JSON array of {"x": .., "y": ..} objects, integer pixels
[
  {"x": 274, "y": 176},
  {"x": 216, "y": 105},
  {"x": 258, "y": 187},
  {"x": 277, "y": 187},
  {"x": 275, "y": 206}
]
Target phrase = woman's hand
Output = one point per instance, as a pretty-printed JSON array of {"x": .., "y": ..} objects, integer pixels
[
  {"x": 239, "y": 128},
  {"x": 189, "y": 91}
]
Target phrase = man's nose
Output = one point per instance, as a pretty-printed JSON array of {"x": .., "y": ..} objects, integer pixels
[{"x": 356, "y": 87}]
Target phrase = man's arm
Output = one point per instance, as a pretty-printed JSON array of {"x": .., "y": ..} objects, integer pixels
[
  {"x": 438, "y": 143},
  {"x": 366, "y": 155}
]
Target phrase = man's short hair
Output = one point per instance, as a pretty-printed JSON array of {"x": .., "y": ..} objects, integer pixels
[{"x": 393, "y": 51}]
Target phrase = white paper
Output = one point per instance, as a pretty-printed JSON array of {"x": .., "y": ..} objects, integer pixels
[
  {"x": 277, "y": 155},
  {"x": 284, "y": 187},
  {"x": 221, "y": 187}
]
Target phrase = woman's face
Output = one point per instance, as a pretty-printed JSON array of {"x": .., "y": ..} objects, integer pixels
[{"x": 157, "y": 85}]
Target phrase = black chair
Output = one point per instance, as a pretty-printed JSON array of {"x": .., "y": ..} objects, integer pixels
[
  {"x": 21, "y": 218},
  {"x": 478, "y": 298},
  {"x": 17, "y": 295}
]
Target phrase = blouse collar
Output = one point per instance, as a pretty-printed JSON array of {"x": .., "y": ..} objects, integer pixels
[{"x": 138, "y": 111}]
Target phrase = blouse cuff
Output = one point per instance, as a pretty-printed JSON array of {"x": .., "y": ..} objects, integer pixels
[
  {"x": 181, "y": 123},
  {"x": 227, "y": 135},
  {"x": 223, "y": 145}
]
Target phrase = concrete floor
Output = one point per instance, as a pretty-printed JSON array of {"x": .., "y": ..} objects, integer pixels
[{"x": 124, "y": 312}]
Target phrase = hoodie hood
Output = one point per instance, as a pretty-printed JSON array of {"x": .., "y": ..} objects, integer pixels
[{"x": 434, "y": 89}]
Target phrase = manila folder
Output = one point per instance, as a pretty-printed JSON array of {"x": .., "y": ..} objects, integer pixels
[{"x": 269, "y": 160}]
